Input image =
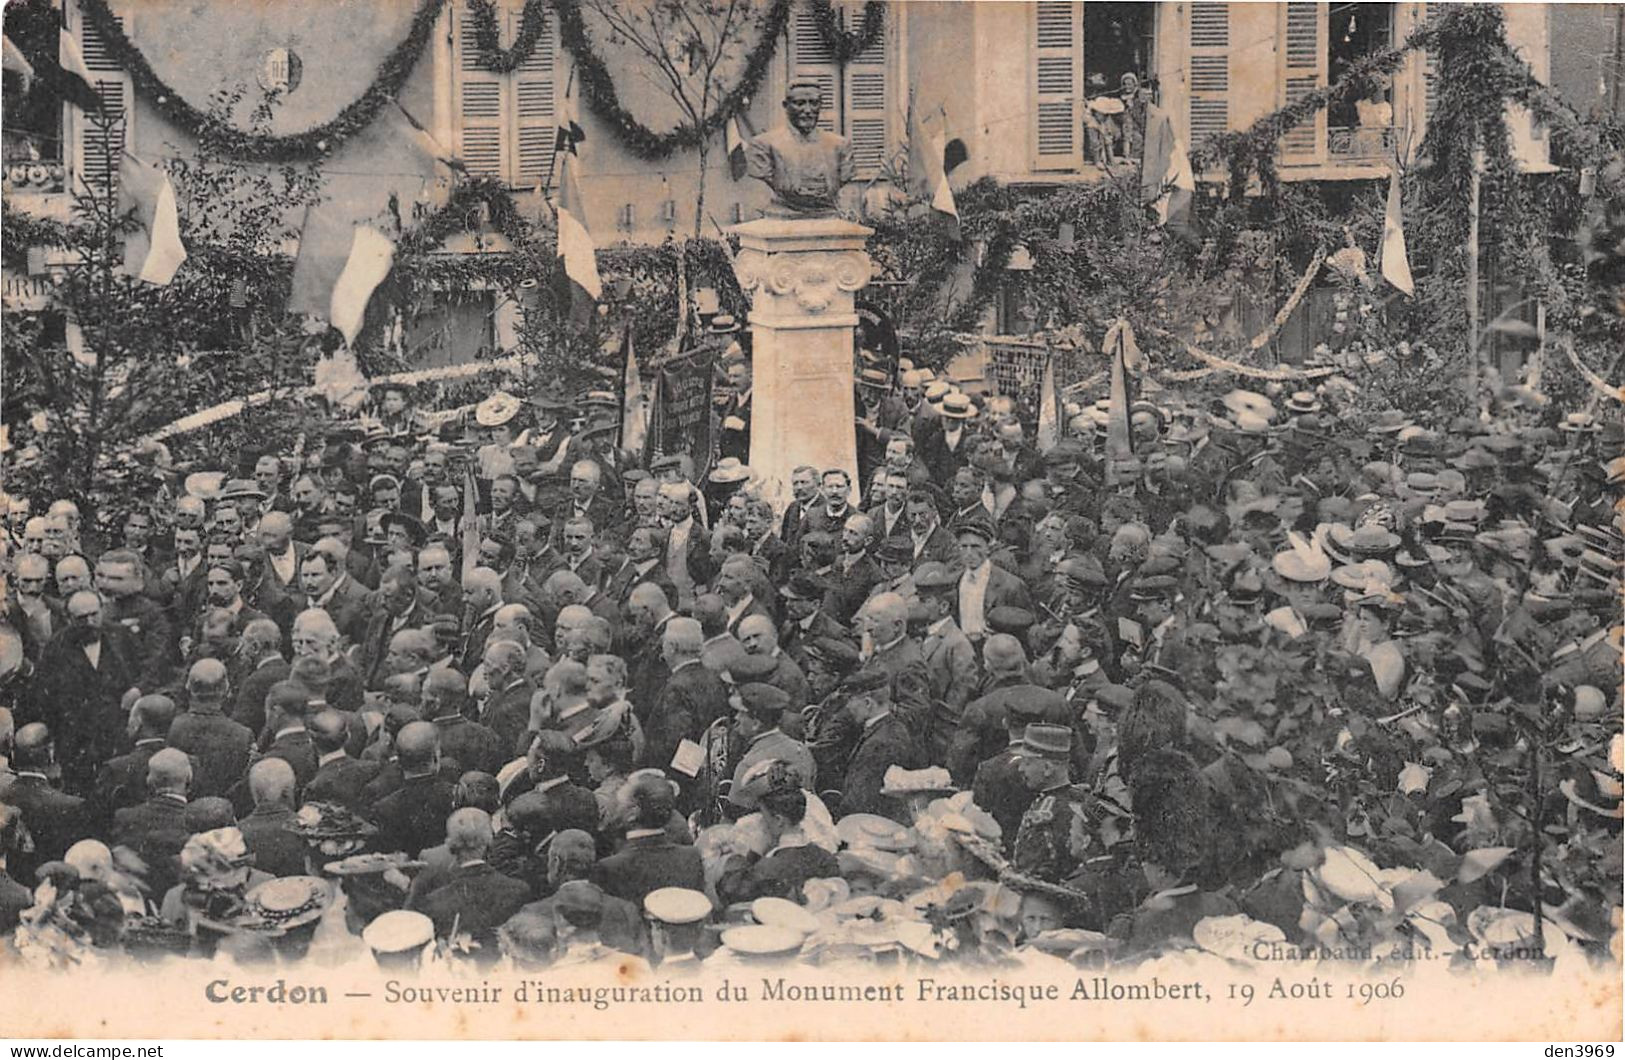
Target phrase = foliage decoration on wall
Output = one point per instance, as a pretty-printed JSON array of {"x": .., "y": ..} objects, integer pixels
[
  {"x": 845, "y": 46},
  {"x": 598, "y": 85},
  {"x": 494, "y": 57},
  {"x": 314, "y": 142}
]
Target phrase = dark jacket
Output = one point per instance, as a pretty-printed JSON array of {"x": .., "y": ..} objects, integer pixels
[
  {"x": 249, "y": 708},
  {"x": 884, "y": 743},
  {"x": 268, "y": 832},
  {"x": 413, "y": 816},
  {"x": 686, "y": 705},
  {"x": 648, "y": 863},
  {"x": 122, "y": 781},
  {"x": 218, "y": 745},
  {"x": 294, "y": 746},
  {"x": 80, "y": 702},
  {"x": 54, "y": 819},
  {"x": 341, "y": 780},
  {"x": 1000, "y": 790},
  {"x": 474, "y": 746},
  {"x": 850, "y": 588},
  {"x": 477, "y": 900},
  {"x": 910, "y": 682},
  {"x": 157, "y": 646},
  {"x": 156, "y": 830}
]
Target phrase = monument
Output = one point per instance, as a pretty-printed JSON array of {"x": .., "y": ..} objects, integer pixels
[{"x": 801, "y": 265}]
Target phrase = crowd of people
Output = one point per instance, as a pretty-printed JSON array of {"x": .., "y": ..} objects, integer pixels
[{"x": 493, "y": 689}]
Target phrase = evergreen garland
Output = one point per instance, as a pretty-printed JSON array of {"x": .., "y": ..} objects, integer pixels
[
  {"x": 489, "y": 39},
  {"x": 304, "y": 146},
  {"x": 598, "y": 86},
  {"x": 844, "y": 46}
]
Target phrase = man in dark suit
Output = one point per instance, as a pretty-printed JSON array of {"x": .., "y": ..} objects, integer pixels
[
  {"x": 688, "y": 701},
  {"x": 856, "y": 572},
  {"x": 760, "y": 640},
  {"x": 84, "y": 672},
  {"x": 471, "y": 745},
  {"x": 290, "y": 741},
  {"x": 268, "y": 829},
  {"x": 984, "y": 585},
  {"x": 883, "y": 741},
  {"x": 119, "y": 577},
  {"x": 805, "y": 617},
  {"x": 438, "y": 588},
  {"x": 477, "y": 899},
  {"x": 482, "y": 597},
  {"x": 640, "y": 564},
  {"x": 184, "y": 581},
  {"x": 943, "y": 442},
  {"x": 930, "y": 540},
  {"x": 733, "y": 584},
  {"x": 283, "y": 555},
  {"x": 326, "y": 585},
  {"x": 650, "y": 860},
  {"x": 261, "y": 645},
  {"x": 123, "y": 780},
  {"x": 220, "y": 745},
  {"x": 587, "y": 501},
  {"x": 804, "y": 495},
  {"x": 413, "y": 816},
  {"x": 225, "y": 589},
  {"x": 999, "y": 787},
  {"x": 900, "y": 658},
  {"x": 156, "y": 829},
  {"x": 54, "y": 820},
  {"x": 506, "y": 713},
  {"x": 398, "y": 609},
  {"x": 339, "y": 777}
]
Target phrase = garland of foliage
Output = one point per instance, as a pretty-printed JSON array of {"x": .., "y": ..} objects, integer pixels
[
  {"x": 598, "y": 86},
  {"x": 844, "y": 46},
  {"x": 262, "y": 147},
  {"x": 486, "y": 36},
  {"x": 1253, "y": 148}
]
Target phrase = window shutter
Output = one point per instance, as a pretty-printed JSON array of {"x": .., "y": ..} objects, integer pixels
[
  {"x": 810, "y": 60},
  {"x": 1057, "y": 57},
  {"x": 1209, "y": 65},
  {"x": 1305, "y": 71},
  {"x": 1430, "y": 75},
  {"x": 535, "y": 107},
  {"x": 481, "y": 107},
  {"x": 97, "y": 158},
  {"x": 866, "y": 110}
]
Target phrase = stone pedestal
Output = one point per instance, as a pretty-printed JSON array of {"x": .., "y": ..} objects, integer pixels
[{"x": 801, "y": 274}]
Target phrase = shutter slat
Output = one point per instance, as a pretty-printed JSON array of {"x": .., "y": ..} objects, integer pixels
[
  {"x": 1057, "y": 58},
  {"x": 1208, "y": 71},
  {"x": 535, "y": 108},
  {"x": 1304, "y": 54},
  {"x": 865, "y": 93},
  {"x": 102, "y": 154},
  {"x": 98, "y": 57}
]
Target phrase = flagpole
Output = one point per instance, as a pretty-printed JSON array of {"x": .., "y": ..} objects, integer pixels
[{"x": 553, "y": 159}]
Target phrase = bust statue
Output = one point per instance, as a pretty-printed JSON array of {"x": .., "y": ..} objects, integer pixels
[{"x": 803, "y": 164}]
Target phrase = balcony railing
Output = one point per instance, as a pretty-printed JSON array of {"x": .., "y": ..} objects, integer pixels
[{"x": 1363, "y": 143}]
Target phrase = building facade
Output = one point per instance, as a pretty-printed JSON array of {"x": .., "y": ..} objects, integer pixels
[{"x": 1029, "y": 88}]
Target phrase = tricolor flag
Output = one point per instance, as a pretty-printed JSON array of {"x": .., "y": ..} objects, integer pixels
[
  {"x": 932, "y": 156},
  {"x": 634, "y": 399},
  {"x": 1119, "y": 438},
  {"x": 738, "y": 133},
  {"x": 153, "y": 251},
  {"x": 77, "y": 83},
  {"x": 577, "y": 277},
  {"x": 333, "y": 250},
  {"x": 1167, "y": 182},
  {"x": 372, "y": 255},
  {"x": 1049, "y": 409},
  {"x": 1396, "y": 264}
]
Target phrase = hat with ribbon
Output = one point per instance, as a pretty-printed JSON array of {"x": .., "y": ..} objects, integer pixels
[{"x": 496, "y": 410}]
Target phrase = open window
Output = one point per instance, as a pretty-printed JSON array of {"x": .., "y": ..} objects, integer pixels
[
  {"x": 33, "y": 150},
  {"x": 1092, "y": 80},
  {"x": 1359, "y": 128}
]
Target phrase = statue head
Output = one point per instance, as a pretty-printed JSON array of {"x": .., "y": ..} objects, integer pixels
[{"x": 803, "y": 102}]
